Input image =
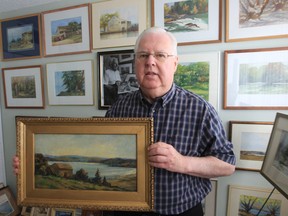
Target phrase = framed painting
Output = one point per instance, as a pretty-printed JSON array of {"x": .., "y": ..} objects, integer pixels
[
  {"x": 118, "y": 23},
  {"x": 256, "y": 79},
  {"x": 191, "y": 22},
  {"x": 275, "y": 165},
  {"x": 85, "y": 163},
  {"x": 116, "y": 76},
  {"x": 8, "y": 205},
  {"x": 209, "y": 203},
  {"x": 21, "y": 38},
  {"x": 27, "y": 211},
  {"x": 66, "y": 30},
  {"x": 23, "y": 87},
  {"x": 198, "y": 73},
  {"x": 63, "y": 212},
  {"x": 70, "y": 83},
  {"x": 260, "y": 20},
  {"x": 249, "y": 200},
  {"x": 250, "y": 141}
]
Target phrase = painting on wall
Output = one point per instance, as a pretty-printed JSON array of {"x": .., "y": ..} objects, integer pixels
[
  {"x": 118, "y": 23},
  {"x": 250, "y": 141},
  {"x": 198, "y": 73},
  {"x": 260, "y": 20},
  {"x": 21, "y": 38},
  {"x": 70, "y": 83},
  {"x": 191, "y": 22},
  {"x": 244, "y": 200},
  {"x": 104, "y": 158},
  {"x": 66, "y": 30},
  {"x": 256, "y": 79}
]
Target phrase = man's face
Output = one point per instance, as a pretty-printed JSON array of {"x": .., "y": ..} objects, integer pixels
[{"x": 155, "y": 77}]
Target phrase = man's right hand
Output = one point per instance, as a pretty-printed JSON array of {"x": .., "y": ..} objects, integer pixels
[{"x": 16, "y": 164}]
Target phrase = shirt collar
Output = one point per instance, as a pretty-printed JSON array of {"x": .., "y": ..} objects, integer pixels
[{"x": 164, "y": 99}]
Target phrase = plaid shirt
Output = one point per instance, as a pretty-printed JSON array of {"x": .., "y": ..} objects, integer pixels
[{"x": 194, "y": 128}]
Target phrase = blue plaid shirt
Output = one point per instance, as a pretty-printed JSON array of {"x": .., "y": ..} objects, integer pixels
[{"x": 194, "y": 128}]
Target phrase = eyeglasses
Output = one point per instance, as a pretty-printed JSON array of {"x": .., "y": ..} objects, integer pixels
[{"x": 160, "y": 56}]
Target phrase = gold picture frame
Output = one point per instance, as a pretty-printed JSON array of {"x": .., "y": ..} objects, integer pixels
[{"x": 116, "y": 176}]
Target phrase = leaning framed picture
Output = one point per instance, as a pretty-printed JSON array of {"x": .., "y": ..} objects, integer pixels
[
  {"x": 250, "y": 140},
  {"x": 116, "y": 76},
  {"x": 8, "y": 205},
  {"x": 63, "y": 211},
  {"x": 275, "y": 165},
  {"x": 245, "y": 200},
  {"x": 23, "y": 87},
  {"x": 118, "y": 23},
  {"x": 66, "y": 30},
  {"x": 21, "y": 38},
  {"x": 260, "y": 20},
  {"x": 192, "y": 22},
  {"x": 70, "y": 83},
  {"x": 256, "y": 79},
  {"x": 85, "y": 163},
  {"x": 199, "y": 73}
]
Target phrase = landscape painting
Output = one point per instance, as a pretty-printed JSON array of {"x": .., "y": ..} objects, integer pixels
[
  {"x": 244, "y": 201},
  {"x": 66, "y": 31},
  {"x": 23, "y": 87},
  {"x": 85, "y": 162},
  {"x": 194, "y": 77},
  {"x": 186, "y": 16},
  {"x": 20, "y": 38},
  {"x": 64, "y": 85}
]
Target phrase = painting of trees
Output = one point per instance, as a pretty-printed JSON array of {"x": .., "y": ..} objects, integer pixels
[{"x": 73, "y": 83}]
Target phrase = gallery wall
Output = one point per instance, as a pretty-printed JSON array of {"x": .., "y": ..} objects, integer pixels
[{"x": 240, "y": 177}]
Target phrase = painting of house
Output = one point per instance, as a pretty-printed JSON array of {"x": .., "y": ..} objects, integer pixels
[
  {"x": 60, "y": 169},
  {"x": 117, "y": 24}
]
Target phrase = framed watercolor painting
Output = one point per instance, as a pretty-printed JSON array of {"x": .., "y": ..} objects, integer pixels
[
  {"x": 192, "y": 22},
  {"x": 116, "y": 76},
  {"x": 199, "y": 73},
  {"x": 275, "y": 165},
  {"x": 85, "y": 163},
  {"x": 118, "y": 23},
  {"x": 250, "y": 141},
  {"x": 66, "y": 30},
  {"x": 260, "y": 20},
  {"x": 23, "y": 87},
  {"x": 63, "y": 211},
  {"x": 21, "y": 38},
  {"x": 243, "y": 200},
  {"x": 256, "y": 79},
  {"x": 8, "y": 205},
  {"x": 70, "y": 83}
]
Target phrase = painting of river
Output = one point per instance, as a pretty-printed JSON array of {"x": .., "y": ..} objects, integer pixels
[{"x": 85, "y": 162}]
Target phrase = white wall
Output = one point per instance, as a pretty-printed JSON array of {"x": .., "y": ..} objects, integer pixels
[
  {"x": 2, "y": 158},
  {"x": 8, "y": 115}
]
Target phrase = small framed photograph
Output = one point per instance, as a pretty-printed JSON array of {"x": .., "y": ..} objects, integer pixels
[
  {"x": 209, "y": 203},
  {"x": 275, "y": 165},
  {"x": 243, "y": 200},
  {"x": 250, "y": 141},
  {"x": 8, "y": 205},
  {"x": 192, "y": 22},
  {"x": 63, "y": 212},
  {"x": 66, "y": 30},
  {"x": 256, "y": 79},
  {"x": 27, "y": 211},
  {"x": 70, "y": 83},
  {"x": 85, "y": 163},
  {"x": 246, "y": 21},
  {"x": 21, "y": 38},
  {"x": 199, "y": 73},
  {"x": 23, "y": 87},
  {"x": 116, "y": 76},
  {"x": 118, "y": 23}
]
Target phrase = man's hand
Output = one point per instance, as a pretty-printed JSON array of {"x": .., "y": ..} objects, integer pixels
[{"x": 16, "y": 164}]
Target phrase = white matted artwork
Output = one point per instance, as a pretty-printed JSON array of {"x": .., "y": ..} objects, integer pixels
[
  {"x": 203, "y": 79},
  {"x": 244, "y": 200},
  {"x": 70, "y": 83}
]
